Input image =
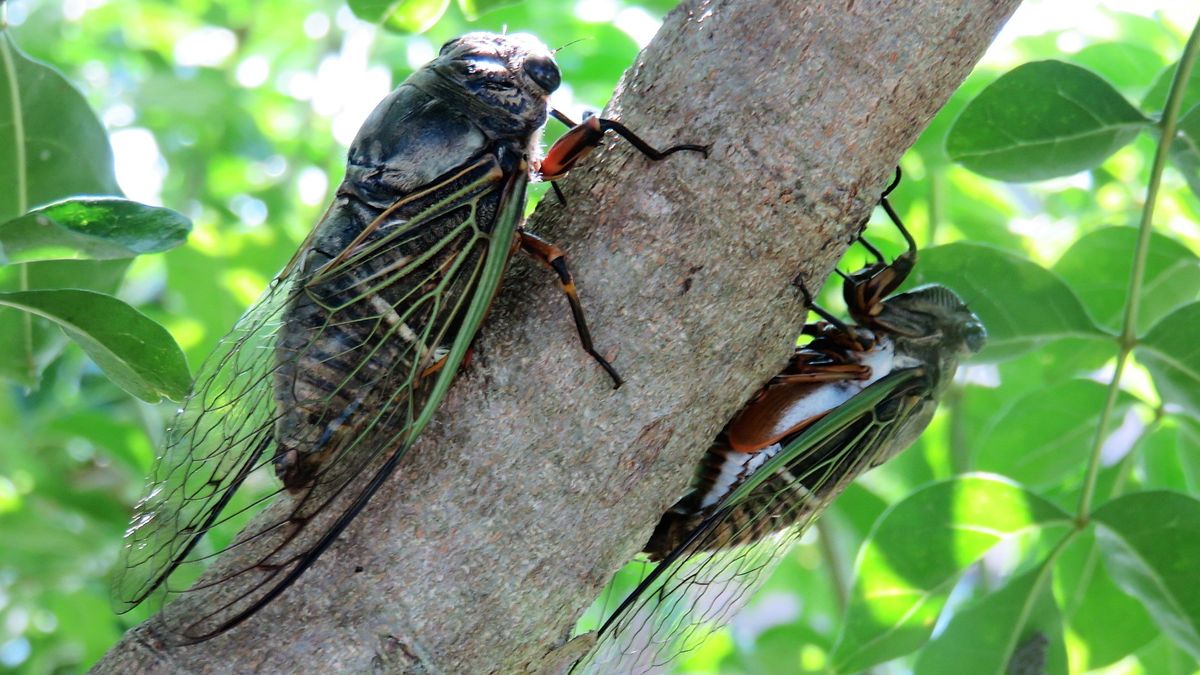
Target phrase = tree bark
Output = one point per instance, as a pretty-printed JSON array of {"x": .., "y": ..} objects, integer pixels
[{"x": 536, "y": 480}]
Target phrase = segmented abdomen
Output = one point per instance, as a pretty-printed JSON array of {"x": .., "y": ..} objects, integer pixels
[
  {"x": 379, "y": 305},
  {"x": 799, "y": 490},
  {"x": 791, "y": 496}
]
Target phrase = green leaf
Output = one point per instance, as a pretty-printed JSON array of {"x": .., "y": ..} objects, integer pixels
[
  {"x": 1171, "y": 352},
  {"x": 1170, "y": 455},
  {"x": 1042, "y": 120},
  {"x": 370, "y": 10},
  {"x": 40, "y": 342},
  {"x": 403, "y": 16},
  {"x": 136, "y": 353},
  {"x": 473, "y": 8},
  {"x": 1046, "y": 435},
  {"x": 859, "y": 506},
  {"x": 1071, "y": 358},
  {"x": 1022, "y": 304},
  {"x": 1003, "y": 632},
  {"x": 918, "y": 549},
  {"x": 1152, "y": 544},
  {"x": 51, "y": 147},
  {"x": 1090, "y": 599},
  {"x": 1156, "y": 98},
  {"x": 92, "y": 228},
  {"x": 1098, "y": 266},
  {"x": 932, "y": 143},
  {"x": 1185, "y": 151},
  {"x": 1163, "y": 657},
  {"x": 51, "y": 144}
]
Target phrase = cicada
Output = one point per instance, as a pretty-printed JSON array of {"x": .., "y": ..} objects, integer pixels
[
  {"x": 331, "y": 376},
  {"x": 848, "y": 400}
]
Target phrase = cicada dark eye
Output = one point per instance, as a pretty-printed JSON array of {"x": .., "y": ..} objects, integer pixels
[
  {"x": 544, "y": 72},
  {"x": 975, "y": 335}
]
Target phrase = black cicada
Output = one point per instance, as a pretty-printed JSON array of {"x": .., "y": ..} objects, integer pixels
[
  {"x": 848, "y": 400},
  {"x": 328, "y": 380}
]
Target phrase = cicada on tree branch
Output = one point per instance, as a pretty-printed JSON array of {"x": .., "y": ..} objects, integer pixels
[
  {"x": 849, "y": 400},
  {"x": 329, "y": 379}
]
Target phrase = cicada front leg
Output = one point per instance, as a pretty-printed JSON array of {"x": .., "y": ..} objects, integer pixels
[
  {"x": 865, "y": 289},
  {"x": 581, "y": 139},
  {"x": 576, "y": 144}
]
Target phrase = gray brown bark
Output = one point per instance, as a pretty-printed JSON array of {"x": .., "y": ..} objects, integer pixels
[{"x": 536, "y": 480}]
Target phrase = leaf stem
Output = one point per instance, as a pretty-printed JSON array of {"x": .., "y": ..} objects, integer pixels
[
  {"x": 1128, "y": 338},
  {"x": 833, "y": 561},
  {"x": 1044, "y": 575},
  {"x": 14, "y": 93},
  {"x": 22, "y": 180}
]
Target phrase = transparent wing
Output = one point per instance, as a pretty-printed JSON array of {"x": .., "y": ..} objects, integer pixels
[
  {"x": 214, "y": 442},
  {"x": 324, "y": 383},
  {"x": 726, "y": 556}
]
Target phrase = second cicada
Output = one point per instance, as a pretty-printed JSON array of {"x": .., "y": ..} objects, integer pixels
[{"x": 849, "y": 400}]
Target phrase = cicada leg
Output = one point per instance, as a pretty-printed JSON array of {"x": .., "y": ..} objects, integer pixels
[
  {"x": 887, "y": 191},
  {"x": 555, "y": 258},
  {"x": 581, "y": 139},
  {"x": 865, "y": 290},
  {"x": 827, "y": 318},
  {"x": 436, "y": 366}
]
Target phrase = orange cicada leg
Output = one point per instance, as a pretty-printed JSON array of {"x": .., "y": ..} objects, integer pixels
[
  {"x": 586, "y": 136},
  {"x": 556, "y": 259}
]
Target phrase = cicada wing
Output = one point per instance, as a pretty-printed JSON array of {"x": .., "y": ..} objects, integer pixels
[
  {"x": 363, "y": 349},
  {"x": 707, "y": 578},
  {"x": 217, "y": 439}
]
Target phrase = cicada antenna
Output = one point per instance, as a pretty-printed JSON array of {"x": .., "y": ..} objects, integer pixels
[{"x": 564, "y": 46}]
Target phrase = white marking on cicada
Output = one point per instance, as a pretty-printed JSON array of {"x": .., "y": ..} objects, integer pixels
[
  {"x": 881, "y": 359},
  {"x": 736, "y": 467},
  {"x": 392, "y": 317}
]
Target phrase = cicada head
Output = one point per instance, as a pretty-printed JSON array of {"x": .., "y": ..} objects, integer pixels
[
  {"x": 933, "y": 325},
  {"x": 508, "y": 79}
]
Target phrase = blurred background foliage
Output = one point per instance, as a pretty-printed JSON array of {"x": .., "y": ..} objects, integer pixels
[{"x": 237, "y": 115}]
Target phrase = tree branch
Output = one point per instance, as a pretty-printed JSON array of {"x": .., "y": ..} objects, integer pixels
[{"x": 536, "y": 480}]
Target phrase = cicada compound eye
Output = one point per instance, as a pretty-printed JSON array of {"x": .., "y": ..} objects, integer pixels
[
  {"x": 975, "y": 336},
  {"x": 544, "y": 72}
]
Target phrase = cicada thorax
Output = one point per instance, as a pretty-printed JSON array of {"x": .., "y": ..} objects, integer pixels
[{"x": 388, "y": 273}]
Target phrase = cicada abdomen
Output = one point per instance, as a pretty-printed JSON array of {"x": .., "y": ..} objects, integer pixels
[
  {"x": 848, "y": 400},
  {"x": 369, "y": 330},
  {"x": 329, "y": 379},
  {"x": 827, "y": 372}
]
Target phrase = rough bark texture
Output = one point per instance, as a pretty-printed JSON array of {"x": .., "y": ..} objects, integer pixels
[{"x": 537, "y": 480}]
